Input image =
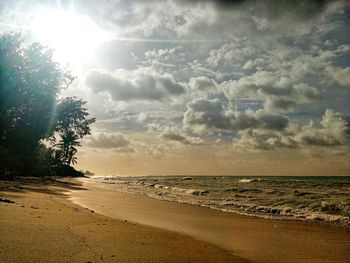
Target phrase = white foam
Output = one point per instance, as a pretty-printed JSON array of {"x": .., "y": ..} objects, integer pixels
[{"x": 248, "y": 180}]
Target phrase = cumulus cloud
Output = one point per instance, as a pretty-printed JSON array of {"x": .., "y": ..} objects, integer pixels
[
  {"x": 261, "y": 140},
  {"x": 203, "y": 85},
  {"x": 277, "y": 89},
  {"x": 279, "y": 104},
  {"x": 107, "y": 141},
  {"x": 212, "y": 114},
  {"x": 341, "y": 75},
  {"x": 134, "y": 85},
  {"x": 331, "y": 131},
  {"x": 172, "y": 133},
  {"x": 208, "y": 113},
  {"x": 238, "y": 52}
]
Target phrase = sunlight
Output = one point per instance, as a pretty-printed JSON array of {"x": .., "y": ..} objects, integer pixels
[{"x": 73, "y": 37}]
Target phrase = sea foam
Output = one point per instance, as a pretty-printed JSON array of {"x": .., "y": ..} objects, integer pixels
[{"x": 321, "y": 199}]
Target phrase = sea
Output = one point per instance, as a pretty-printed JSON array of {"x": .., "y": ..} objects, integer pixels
[{"x": 308, "y": 198}]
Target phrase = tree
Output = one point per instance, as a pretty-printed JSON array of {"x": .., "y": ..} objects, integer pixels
[
  {"x": 67, "y": 146},
  {"x": 30, "y": 112},
  {"x": 71, "y": 124},
  {"x": 29, "y": 85},
  {"x": 72, "y": 116}
]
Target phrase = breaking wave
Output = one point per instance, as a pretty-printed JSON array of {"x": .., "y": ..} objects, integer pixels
[{"x": 322, "y": 199}]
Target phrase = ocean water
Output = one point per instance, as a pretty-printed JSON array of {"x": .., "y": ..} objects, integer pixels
[{"x": 325, "y": 199}]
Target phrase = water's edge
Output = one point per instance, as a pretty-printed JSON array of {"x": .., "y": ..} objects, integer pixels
[{"x": 186, "y": 190}]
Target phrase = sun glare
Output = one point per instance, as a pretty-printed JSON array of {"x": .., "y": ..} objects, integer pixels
[{"x": 73, "y": 37}]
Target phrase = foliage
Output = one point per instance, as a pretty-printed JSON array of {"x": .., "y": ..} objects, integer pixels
[
  {"x": 67, "y": 147},
  {"x": 29, "y": 83},
  {"x": 30, "y": 112},
  {"x": 71, "y": 125},
  {"x": 66, "y": 170},
  {"x": 71, "y": 116}
]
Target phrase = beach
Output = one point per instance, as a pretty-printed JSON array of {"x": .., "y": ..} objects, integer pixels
[
  {"x": 78, "y": 221},
  {"x": 42, "y": 225},
  {"x": 251, "y": 238}
]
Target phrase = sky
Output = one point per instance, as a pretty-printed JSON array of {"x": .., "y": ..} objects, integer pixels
[{"x": 202, "y": 87}]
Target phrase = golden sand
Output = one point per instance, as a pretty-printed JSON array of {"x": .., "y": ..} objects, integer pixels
[
  {"x": 251, "y": 238},
  {"x": 43, "y": 226}
]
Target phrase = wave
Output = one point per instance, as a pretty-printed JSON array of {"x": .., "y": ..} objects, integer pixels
[
  {"x": 248, "y": 180},
  {"x": 263, "y": 211},
  {"x": 318, "y": 201}
]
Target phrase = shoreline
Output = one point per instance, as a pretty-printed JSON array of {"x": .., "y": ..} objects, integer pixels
[
  {"x": 154, "y": 190},
  {"x": 246, "y": 236},
  {"x": 40, "y": 224}
]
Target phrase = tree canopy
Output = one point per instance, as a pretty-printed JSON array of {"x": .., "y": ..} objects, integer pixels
[
  {"x": 31, "y": 112},
  {"x": 71, "y": 125}
]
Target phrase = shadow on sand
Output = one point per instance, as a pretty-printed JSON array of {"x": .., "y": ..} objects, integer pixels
[{"x": 13, "y": 187}]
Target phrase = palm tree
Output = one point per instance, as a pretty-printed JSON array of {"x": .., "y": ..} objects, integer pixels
[
  {"x": 67, "y": 145},
  {"x": 56, "y": 156}
]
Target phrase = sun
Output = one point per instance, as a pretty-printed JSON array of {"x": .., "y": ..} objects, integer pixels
[{"x": 73, "y": 37}]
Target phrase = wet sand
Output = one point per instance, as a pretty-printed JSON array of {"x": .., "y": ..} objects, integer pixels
[
  {"x": 39, "y": 224},
  {"x": 250, "y": 238}
]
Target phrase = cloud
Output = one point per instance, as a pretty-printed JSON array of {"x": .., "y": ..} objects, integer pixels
[
  {"x": 212, "y": 114},
  {"x": 172, "y": 133},
  {"x": 208, "y": 113},
  {"x": 261, "y": 140},
  {"x": 107, "y": 141},
  {"x": 341, "y": 76},
  {"x": 181, "y": 137},
  {"x": 156, "y": 151},
  {"x": 195, "y": 19},
  {"x": 278, "y": 104},
  {"x": 331, "y": 131},
  {"x": 239, "y": 53},
  {"x": 134, "y": 85},
  {"x": 202, "y": 85},
  {"x": 279, "y": 91},
  {"x": 124, "y": 150},
  {"x": 166, "y": 57}
]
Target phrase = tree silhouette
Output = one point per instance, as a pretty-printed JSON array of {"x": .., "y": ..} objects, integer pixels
[
  {"x": 30, "y": 111},
  {"x": 67, "y": 145},
  {"x": 71, "y": 125}
]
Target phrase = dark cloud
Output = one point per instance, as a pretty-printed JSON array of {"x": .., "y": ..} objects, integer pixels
[
  {"x": 209, "y": 113},
  {"x": 134, "y": 85},
  {"x": 175, "y": 134},
  {"x": 212, "y": 114},
  {"x": 181, "y": 138},
  {"x": 227, "y": 3},
  {"x": 330, "y": 132},
  {"x": 277, "y": 104}
]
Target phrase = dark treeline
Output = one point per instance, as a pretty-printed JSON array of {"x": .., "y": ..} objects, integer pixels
[{"x": 39, "y": 132}]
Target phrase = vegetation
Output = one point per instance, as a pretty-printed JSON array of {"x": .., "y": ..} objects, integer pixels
[{"x": 39, "y": 133}]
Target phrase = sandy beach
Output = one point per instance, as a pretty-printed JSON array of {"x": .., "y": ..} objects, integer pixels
[
  {"x": 55, "y": 221},
  {"x": 43, "y": 226},
  {"x": 251, "y": 238}
]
